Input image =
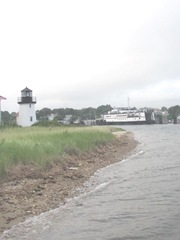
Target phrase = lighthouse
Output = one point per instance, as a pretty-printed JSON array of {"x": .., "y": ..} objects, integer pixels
[{"x": 27, "y": 114}]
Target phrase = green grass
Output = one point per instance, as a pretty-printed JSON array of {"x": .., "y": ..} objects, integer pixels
[{"x": 41, "y": 145}]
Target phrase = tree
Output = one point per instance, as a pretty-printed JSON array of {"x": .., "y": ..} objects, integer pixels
[
  {"x": 164, "y": 109},
  {"x": 103, "y": 109},
  {"x": 174, "y": 112},
  {"x": 43, "y": 113},
  {"x": 87, "y": 113},
  {"x": 60, "y": 113},
  {"x": 8, "y": 119}
]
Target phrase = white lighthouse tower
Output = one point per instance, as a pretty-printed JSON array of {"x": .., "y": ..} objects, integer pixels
[{"x": 27, "y": 114}]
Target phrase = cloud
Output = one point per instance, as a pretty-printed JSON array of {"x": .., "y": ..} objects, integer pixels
[{"x": 88, "y": 53}]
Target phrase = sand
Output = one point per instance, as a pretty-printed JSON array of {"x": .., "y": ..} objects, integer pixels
[{"x": 29, "y": 191}]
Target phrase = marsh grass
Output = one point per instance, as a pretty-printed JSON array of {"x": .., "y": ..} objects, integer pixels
[{"x": 42, "y": 145}]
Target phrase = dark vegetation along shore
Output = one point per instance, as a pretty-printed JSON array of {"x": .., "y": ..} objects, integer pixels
[{"x": 42, "y": 167}]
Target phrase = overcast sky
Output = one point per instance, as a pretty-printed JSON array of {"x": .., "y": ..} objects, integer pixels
[{"x": 86, "y": 53}]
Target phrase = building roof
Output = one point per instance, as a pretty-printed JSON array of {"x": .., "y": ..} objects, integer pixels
[{"x": 26, "y": 90}]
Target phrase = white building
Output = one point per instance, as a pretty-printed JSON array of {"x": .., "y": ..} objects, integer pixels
[{"x": 27, "y": 114}]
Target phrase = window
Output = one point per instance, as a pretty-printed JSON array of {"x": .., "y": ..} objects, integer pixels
[{"x": 31, "y": 119}]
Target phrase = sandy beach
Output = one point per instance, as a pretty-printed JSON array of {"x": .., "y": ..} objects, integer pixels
[{"x": 28, "y": 191}]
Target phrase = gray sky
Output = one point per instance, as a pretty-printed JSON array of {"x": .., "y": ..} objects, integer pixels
[{"x": 82, "y": 53}]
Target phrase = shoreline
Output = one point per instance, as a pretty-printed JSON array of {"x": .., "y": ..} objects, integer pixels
[{"x": 28, "y": 191}]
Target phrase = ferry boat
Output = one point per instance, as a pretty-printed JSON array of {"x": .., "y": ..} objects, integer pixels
[{"x": 121, "y": 116}]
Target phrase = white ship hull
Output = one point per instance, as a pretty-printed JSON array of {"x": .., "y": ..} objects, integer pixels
[{"x": 125, "y": 117}]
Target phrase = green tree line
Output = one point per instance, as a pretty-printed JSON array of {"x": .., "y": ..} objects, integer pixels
[
  {"x": 82, "y": 114},
  {"x": 60, "y": 113}
]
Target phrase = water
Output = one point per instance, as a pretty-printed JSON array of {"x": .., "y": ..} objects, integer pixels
[{"x": 135, "y": 199}]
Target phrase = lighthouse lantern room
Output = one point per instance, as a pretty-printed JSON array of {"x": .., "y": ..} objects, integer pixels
[{"x": 27, "y": 114}]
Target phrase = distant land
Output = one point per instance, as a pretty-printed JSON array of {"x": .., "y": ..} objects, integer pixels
[{"x": 90, "y": 113}]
